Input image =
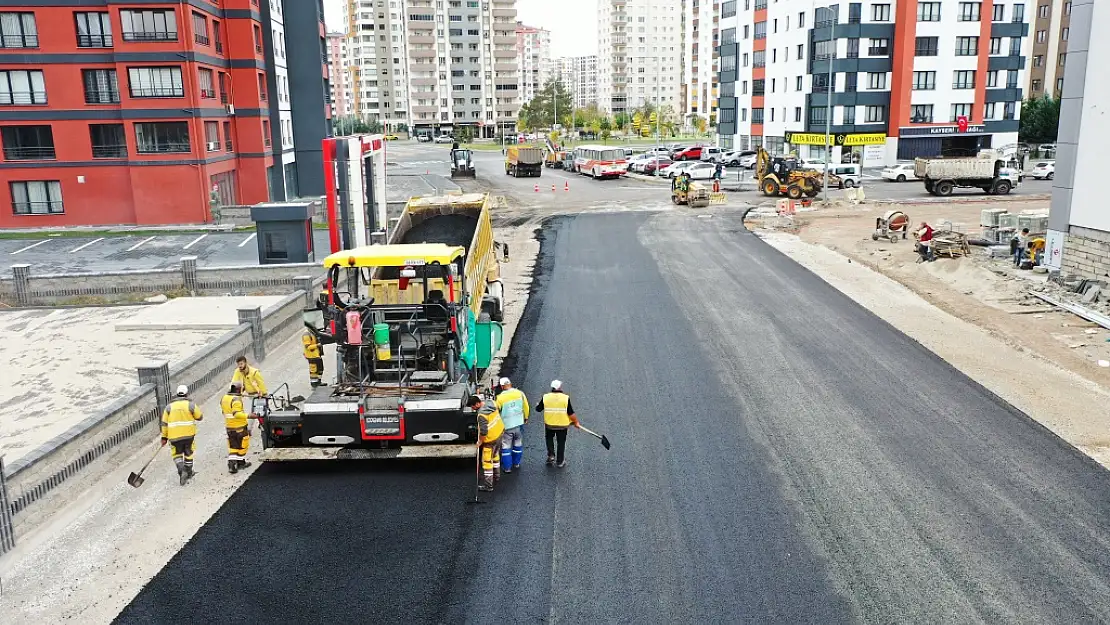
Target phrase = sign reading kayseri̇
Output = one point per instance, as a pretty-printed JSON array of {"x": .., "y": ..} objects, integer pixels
[{"x": 842, "y": 139}]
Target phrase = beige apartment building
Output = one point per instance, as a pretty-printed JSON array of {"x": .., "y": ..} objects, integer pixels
[{"x": 1051, "y": 27}]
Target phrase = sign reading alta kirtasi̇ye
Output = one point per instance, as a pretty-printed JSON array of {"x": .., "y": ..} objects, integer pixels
[{"x": 814, "y": 138}]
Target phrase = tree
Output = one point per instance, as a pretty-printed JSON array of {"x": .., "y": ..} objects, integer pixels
[
  {"x": 374, "y": 127},
  {"x": 464, "y": 134},
  {"x": 1040, "y": 120},
  {"x": 352, "y": 125},
  {"x": 540, "y": 110},
  {"x": 604, "y": 125},
  {"x": 621, "y": 121}
]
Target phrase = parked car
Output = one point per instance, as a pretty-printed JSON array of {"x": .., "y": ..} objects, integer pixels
[
  {"x": 659, "y": 151},
  {"x": 748, "y": 161},
  {"x": 899, "y": 173},
  {"x": 688, "y": 154},
  {"x": 636, "y": 163},
  {"x": 1044, "y": 171},
  {"x": 701, "y": 171},
  {"x": 711, "y": 154},
  {"x": 675, "y": 168},
  {"x": 445, "y": 139},
  {"x": 423, "y": 138},
  {"x": 732, "y": 158},
  {"x": 850, "y": 174},
  {"x": 654, "y": 165}
]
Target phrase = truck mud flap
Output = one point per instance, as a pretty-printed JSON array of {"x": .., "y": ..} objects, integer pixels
[{"x": 294, "y": 454}]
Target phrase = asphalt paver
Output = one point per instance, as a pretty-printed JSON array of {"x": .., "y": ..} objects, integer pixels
[{"x": 780, "y": 455}]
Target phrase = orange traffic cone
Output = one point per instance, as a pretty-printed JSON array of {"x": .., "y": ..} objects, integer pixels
[
  {"x": 537, "y": 187},
  {"x": 566, "y": 186},
  {"x": 553, "y": 186}
]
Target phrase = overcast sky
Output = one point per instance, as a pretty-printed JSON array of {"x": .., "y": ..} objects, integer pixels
[{"x": 573, "y": 23}]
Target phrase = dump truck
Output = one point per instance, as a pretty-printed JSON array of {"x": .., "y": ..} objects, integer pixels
[
  {"x": 988, "y": 171},
  {"x": 523, "y": 161},
  {"x": 415, "y": 324}
]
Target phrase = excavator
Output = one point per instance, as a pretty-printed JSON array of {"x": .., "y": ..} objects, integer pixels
[{"x": 782, "y": 176}]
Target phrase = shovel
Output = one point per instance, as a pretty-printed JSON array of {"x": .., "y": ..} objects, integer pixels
[
  {"x": 604, "y": 440},
  {"x": 136, "y": 479}
]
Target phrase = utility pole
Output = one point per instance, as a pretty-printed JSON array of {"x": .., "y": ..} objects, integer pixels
[{"x": 828, "y": 101}]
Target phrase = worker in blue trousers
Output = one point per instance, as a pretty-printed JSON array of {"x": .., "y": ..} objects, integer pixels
[{"x": 513, "y": 406}]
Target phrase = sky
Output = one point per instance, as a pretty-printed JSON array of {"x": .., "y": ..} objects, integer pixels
[{"x": 573, "y": 23}]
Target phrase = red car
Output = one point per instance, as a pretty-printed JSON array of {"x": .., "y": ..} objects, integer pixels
[
  {"x": 653, "y": 165},
  {"x": 688, "y": 154}
]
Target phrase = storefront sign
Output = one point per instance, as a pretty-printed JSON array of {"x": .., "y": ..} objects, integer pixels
[
  {"x": 931, "y": 131},
  {"x": 814, "y": 138}
]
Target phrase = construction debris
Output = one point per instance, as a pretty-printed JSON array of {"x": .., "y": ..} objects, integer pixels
[{"x": 950, "y": 243}]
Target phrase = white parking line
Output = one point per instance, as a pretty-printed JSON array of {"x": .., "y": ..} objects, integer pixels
[
  {"x": 140, "y": 243},
  {"x": 81, "y": 247},
  {"x": 248, "y": 239},
  {"x": 24, "y": 249},
  {"x": 194, "y": 241}
]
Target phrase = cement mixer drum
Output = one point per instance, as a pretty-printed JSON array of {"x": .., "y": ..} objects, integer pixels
[{"x": 896, "y": 221}]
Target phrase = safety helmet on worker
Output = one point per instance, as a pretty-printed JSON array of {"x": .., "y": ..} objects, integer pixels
[
  {"x": 556, "y": 385},
  {"x": 182, "y": 390},
  {"x": 506, "y": 382}
]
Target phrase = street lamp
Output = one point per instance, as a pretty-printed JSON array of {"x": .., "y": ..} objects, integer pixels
[{"x": 829, "y": 91}]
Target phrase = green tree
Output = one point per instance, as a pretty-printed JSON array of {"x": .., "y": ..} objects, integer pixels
[
  {"x": 352, "y": 125},
  {"x": 1040, "y": 120},
  {"x": 604, "y": 125},
  {"x": 464, "y": 134},
  {"x": 621, "y": 121},
  {"x": 540, "y": 110},
  {"x": 374, "y": 127}
]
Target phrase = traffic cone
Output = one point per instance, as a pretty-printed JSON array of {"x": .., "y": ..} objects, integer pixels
[
  {"x": 537, "y": 187},
  {"x": 553, "y": 187},
  {"x": 566, "y": 186}
]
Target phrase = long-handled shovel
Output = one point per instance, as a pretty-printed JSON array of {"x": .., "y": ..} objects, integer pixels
[
  {"x": 136, "y": 479},
  {"x": 604, "y": 440}
]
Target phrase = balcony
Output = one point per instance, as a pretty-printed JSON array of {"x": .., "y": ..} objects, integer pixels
[
  {"x": 422, "y": 81},
  {"x": 148, "y": 36},
  {"x": 110, "y": 151},
  {"x": 22, "y": 98},
  {"x": 422, "y": 54},
  {"x": 511, "y": 54},
  {"x": 505, "y": 67},
  {"x": 425, "y": 109},
  {"x": 504, "y": 39},
  {"x": 421, "y": 25},
  {"x": 418, "y": 39},
  {"x": 620, "y": 40},
  {"x": 35, "y": 153},
  {"x": 498, "y": 12},
  {"x": 94, "y": 41}
]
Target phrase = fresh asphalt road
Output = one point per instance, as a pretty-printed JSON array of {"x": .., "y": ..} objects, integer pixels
[{"x": 780, "y": 455}]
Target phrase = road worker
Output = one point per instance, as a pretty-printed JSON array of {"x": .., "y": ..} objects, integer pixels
[
  {"x": 249, "y": 377},
  {"x": 558, "y": 416},
  {"x": 313, "y": 354},
  {"x": 238, "y": 428},
  {"x": 490, "y": 431},
  {"x": 179, "y": 429},
  {"x": 514, "y": 409}
]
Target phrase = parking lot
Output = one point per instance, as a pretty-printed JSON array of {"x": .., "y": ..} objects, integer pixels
[{"x": 119, "y": 253}]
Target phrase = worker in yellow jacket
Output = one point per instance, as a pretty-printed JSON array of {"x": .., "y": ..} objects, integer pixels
[
  {"x": 314, "y": 355},
  {"x": 490, "y": 429},
  {"x": 249, "y": 377},
  {"x": 179, "y": 429},
  {"x": 558, "y": 416},
  {"x": 238, "y": 428},
  {"x": 514, "y": 409}
]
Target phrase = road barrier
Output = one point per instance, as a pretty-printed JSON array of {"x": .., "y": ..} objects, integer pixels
[
  {"x": 39, "y": 484},
  {"x": 27, "y": 289}
]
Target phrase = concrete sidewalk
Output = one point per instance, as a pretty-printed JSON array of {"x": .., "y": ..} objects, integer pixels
[{"x": 95, "y": 556}]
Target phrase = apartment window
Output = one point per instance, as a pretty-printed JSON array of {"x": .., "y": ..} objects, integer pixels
[
  {"x": 227, "y": 136},
  {"x": 798, "y": 83},
  {"x": 101, "y": 86},
  {"x": 1037, "y": 85},
  {"x": 257, "y": 38},
  {"x": 969, "y": 11},
  {"x": 207, "y": 86},
  {"x": 1038, "y": 60},
  {"x": 963, "y": 79},
  {"x": 266, "y": 141},
  {"x": 212, "y": 136},
  {"x": 817, "y": 115},
  {"x": 37, "y": 197},
  {"x": 874, "y": 114},
  {"x": 1012, "y": 79},
  {"x": 1042, "y": 36},
  {"x": 149, "y": 25},
  {"x": 855, "y": 12},
  {"x": 797, "y": 113},
  {"x": 990, "y": 111},
  {"x": 924, "y": 81},
  {"x": 759, "y": 58},
  {"x": 22, "y": 87},
  {"x": 107, "y": 141},
  {"x": 1059, "y": 86},
  {"x": 760, "y": 30},
  {"x": 757, "y": 116},
  {"x": 800, "y": 52},
  {"x": 967, "y": 46},
  {"x": 94, "y": 30},
  {"x": 925, "y": 46},
  {"x": 878, "y": 47},
  {"x": 1008, "y": 110},
  {"x": 155, "y": 82},
  {"x": 1067, "y": 8},
  {"x": 801, "y": 19},
  {"x": 880, "y": 12},
  {"x": 1061, "y": 58},
  {"x": 1019, "y": 12},
  {"x": 849, "y": 115},
  {"x": 853, "y": 48},
  {"x": 921, "y": 114},
  {"x": 850, "y": 81},
  {"x": 28, "y": 143},
  {"x": 996, "y": 45},
  {"x": 262, "y": 87},
  {"x": 223, "y": 88},
  {"x": 18, "y": 30},
  {"x": 876, "y": 80},
  {"x": 823, "y": 50},
  {"x": 760, "y": 4},
  {"x": 1064, "y": 32},
  {"x": 758, "y": 87},
  {"x": 1042, "y": 11},
  {"x": 162, "y": 137},
  {"x": 961, "y": 110},
  {"x": 821, "y": 83},
  {"x": 992, "y": 79},
  {"x": 1015, "y": 46},
  {"x": 728, "y": 9},
  {"x": 219, "y": 45},
  {"x": 200, "y": 29},
  {"x": 999, "y": 13}
]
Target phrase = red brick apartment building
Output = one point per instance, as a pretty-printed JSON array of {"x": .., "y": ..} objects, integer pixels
[{"x": 117, "y": 113}]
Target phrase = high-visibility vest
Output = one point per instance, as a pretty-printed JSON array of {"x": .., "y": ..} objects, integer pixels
[
  {"x": 179, "y": 420},
  {"x": 252, "y": 382},
  {"x": 235, "y": 418},
  {"x": 494, "y": 426},
  {"x": 555, "y": 410},
  {"x": 513, "y": 406},
  {"x": 311, "y": 347}
]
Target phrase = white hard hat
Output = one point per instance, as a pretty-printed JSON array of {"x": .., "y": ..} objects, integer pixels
[
  {"x": 505, "y": 381},
  {"x": 556, "y": 384},
  {"x": 182, "y": 390}
]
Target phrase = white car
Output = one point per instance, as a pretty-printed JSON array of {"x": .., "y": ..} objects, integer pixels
[
  {"x": 676, "y": 168},
  {"x": 701, "y": 171},
  {"x": 711, "y": 154},
  {"x": 899, "y": 173},
  {"x": 748, "y": 161},
  {"x": 1044, "y": 171}
]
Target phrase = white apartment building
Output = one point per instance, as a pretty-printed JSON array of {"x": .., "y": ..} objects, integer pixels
[
  {"x": 699, "y": 40},
  {"x": 908, "y": 78},
  {"x": 579, "y": 75},
  {"x": 534, "y": 52},
  {"x": 283, "y": 100},
  {"x": 639, "y": 54},
  {"x": 434, "y": 65}
]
